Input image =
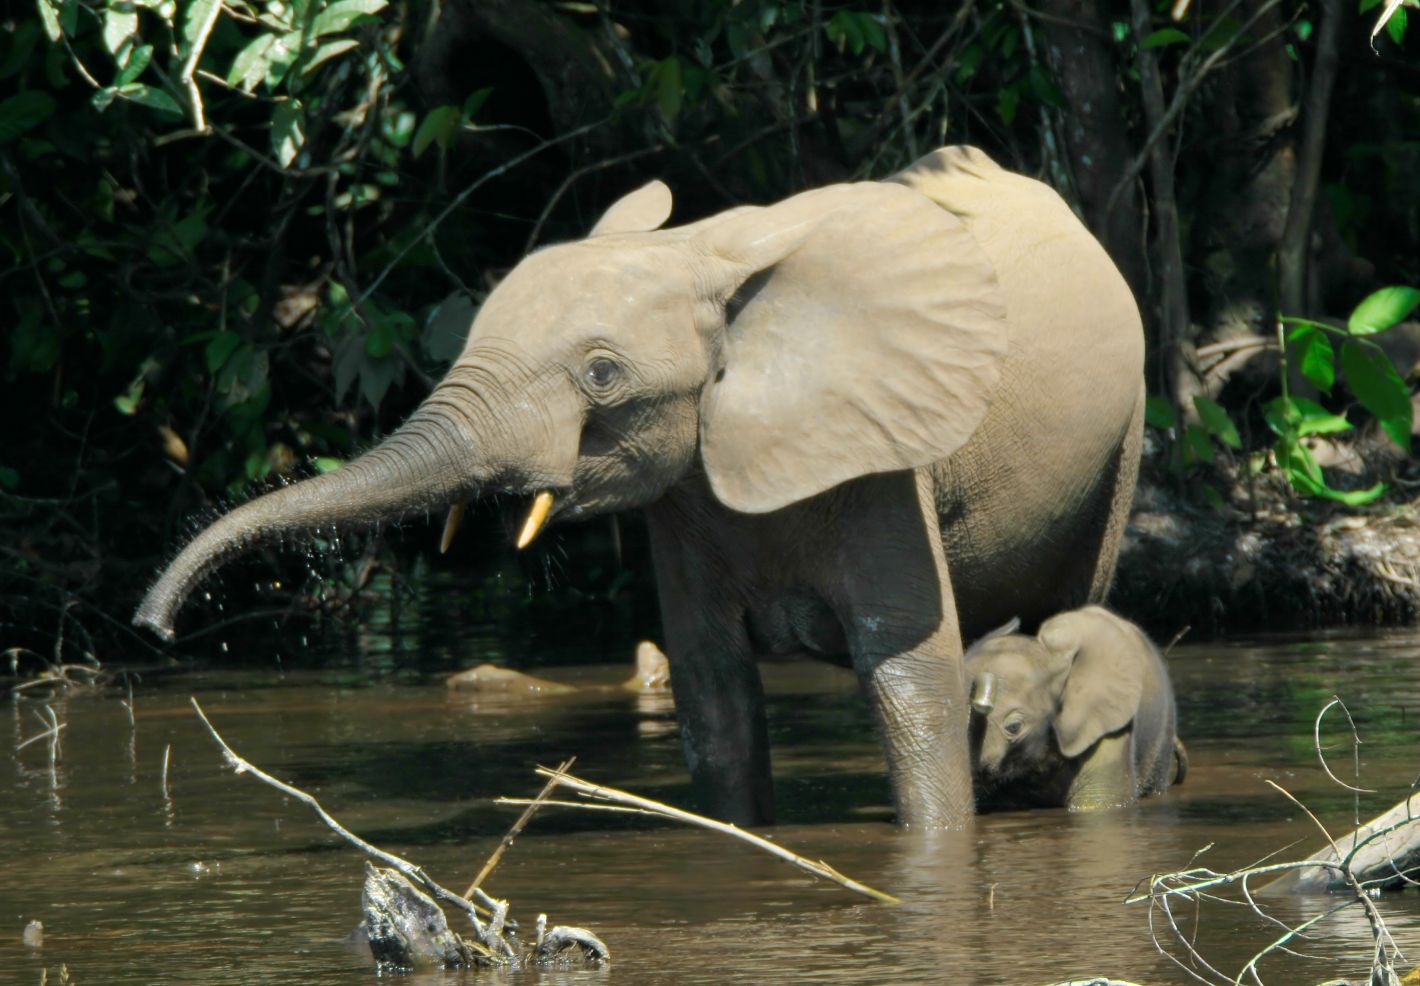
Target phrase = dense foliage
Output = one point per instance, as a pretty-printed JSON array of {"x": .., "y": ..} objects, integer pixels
[{"x": 240, "y": 239}]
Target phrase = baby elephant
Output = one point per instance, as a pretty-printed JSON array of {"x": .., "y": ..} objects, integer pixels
[{"x": 1080, "y": 715}]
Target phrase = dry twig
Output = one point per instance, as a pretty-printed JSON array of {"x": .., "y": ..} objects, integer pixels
[{"x": 625, "y": 801}]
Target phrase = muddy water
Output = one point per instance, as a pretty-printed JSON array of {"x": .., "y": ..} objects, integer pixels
[{"x": 222, "y": 880}]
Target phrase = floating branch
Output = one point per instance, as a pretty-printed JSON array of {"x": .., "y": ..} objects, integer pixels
[
  {"x": 625, "y": 801},
  {"x": 400, "y": 917}
]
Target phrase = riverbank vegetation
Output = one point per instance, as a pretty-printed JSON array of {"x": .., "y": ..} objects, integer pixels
[{"x": 240, "y": 239}]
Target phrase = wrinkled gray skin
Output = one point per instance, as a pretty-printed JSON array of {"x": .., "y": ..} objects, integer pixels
[
  {"x": 850, "y": 417},
  {"x": 1079, "y": 716}
]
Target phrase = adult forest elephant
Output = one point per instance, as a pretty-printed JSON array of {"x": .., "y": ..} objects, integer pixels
[{"x": 850, "y": 416}]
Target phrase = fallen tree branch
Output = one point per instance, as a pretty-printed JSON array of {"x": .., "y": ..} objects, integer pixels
[
  {"x": 404, "y": 866},
  {"x": 404, "y": 924},
  {"x": 625, "y": 801}
]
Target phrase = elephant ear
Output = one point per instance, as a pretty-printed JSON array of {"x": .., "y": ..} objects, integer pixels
[
  {"x": 636, "y": 212},
  {"x": 1104, "y": 678},
  {"x": 865, "y": 330}
]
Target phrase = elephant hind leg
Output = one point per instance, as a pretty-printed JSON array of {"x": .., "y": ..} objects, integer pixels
[{"x": 1121, "y": 501}]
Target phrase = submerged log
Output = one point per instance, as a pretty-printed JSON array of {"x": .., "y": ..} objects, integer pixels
[
  {"x": 1383, "y": 854},
  {"x": 407, "y": 930}
]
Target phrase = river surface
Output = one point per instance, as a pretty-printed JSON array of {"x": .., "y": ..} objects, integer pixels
[{"x": 219, "y": 879}]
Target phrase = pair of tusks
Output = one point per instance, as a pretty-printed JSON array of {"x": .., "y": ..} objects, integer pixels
[{"x": 537, "y": 516}]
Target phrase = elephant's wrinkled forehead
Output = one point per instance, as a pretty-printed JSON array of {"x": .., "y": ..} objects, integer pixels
[
  {"x": 612, "y": 288},
  {"x": 1016, "y": 658}
]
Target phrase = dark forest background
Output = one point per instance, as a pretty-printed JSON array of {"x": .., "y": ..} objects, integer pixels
[{"x": 238, "y": 242}]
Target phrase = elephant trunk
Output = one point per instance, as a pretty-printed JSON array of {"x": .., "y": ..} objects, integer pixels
[{"x": 425, "y": 464}]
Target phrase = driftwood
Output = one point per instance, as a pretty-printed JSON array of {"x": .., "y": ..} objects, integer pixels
[
  {"x": 407, "y": 929},
  {"x": 1382, "y": 854}
]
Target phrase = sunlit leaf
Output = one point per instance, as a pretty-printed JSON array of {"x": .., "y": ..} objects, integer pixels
[
  {"x": 120, "y": 24},
  {"x": 1315, "y": 357},
  {"x": 1382, "y": 309},
  {"x": 326, "y": 463},
  {"x": 341, "y": 14},
  {"x": 328, "y": 51},
  {"x": 149, "y": 96},
  {"x": 1379, "y": 388},
  {"x": 138, "y": 60},
  {"x": 194, "y": 20},
  {"x": 49, "y": 17},
  {"x": 288, "y": 131},
  {"x": 249, "y": 67}
]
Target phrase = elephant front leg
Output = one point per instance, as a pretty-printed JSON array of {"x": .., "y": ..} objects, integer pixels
[
  {"x": 719, "y": 697},
  {"x": 900, "y": 616}
]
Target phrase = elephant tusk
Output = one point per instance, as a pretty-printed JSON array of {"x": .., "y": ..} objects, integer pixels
[
  {"x": 983, "y": 693},
  {"x": 537, "y": 516},
  {"x": 451, "y": 526}
]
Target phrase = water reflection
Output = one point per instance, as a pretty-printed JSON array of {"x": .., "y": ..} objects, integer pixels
[{"x": 211, "y": 878}]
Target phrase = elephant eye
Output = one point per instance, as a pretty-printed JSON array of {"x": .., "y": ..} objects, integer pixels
[
  {"x": 603, "y": 372},
  {"x": 1013, "y": 727}
]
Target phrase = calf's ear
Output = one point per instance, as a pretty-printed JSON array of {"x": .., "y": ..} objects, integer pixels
[{"x": 1103, "y": 679}]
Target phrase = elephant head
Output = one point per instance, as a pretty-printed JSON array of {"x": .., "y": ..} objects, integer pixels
[
  {"x": 1053, "y": 695},
  {"x": 777, "y": 350}
]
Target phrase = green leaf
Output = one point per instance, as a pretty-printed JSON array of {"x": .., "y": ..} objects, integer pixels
[
  {"x": 21, "y": 48},
  {"x": 284, "y": 52},
  {"x": 341, "y": 14},
  {"x": 438, "y": 127},
  {"x": 1042, "y": 87},
  {"x": 1006, "y": 102},
  {"x": 127, "y": 402},
  {"x": 379, "y": 342},
  {"x": 670, "y": 88},
  {"x": 9, "y": 478},
  {"x": 288, "y": 131},
  {"x": 49, "y": 17},
  {"x": 24, "y": 112},
  {"x": 328, "y": 51},
  {"x": 1379, "y": 388},
  {"x": 249, "y": 67},
  {"x": 1366, "y": 5},
  {"x": 149, "y": 96},
  {"x": 1165, "y": 36},
  {"x": 1197, "y": 442},
  {"x": 120, "y": 24},
  {"x": 1395, "y": 25},
  {"x": 1159, "y": 412},
  {"x": 220, "y": 349},
  {"x": 1216, "y": 420},
  {"x": 138, "y": 60},
  {"x": 475, "y": 102},
  {"x": 1314, "y": 355},
  {"x": 844, "y": 32},
  {"x": 872, "y": 32},
  {"x": 195, "y": 16},
  {"x": 326, "y": 463},
  {"x": 1382, "y": 309},
  {"x": 1311, "y": 418}
]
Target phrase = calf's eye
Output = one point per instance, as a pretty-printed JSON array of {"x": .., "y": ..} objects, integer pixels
[{"x": 603, "y": 372}]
